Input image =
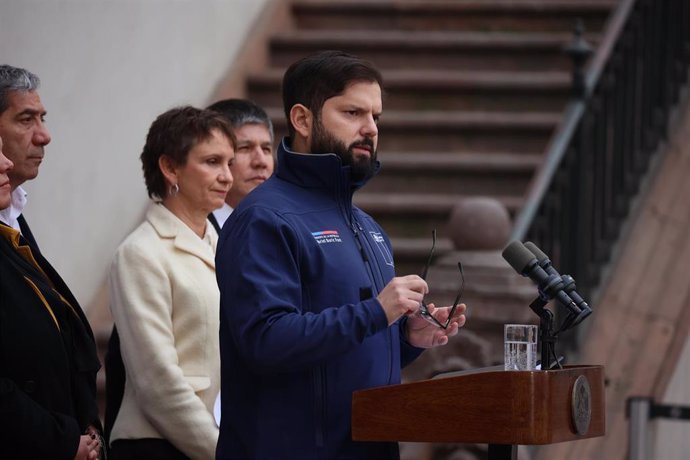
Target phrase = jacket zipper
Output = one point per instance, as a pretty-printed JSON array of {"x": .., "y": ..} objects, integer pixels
[
  {"x": 365, "y": 257},
  {"x": 356, "y": 224},
  {"x": 319, "y": 405}
]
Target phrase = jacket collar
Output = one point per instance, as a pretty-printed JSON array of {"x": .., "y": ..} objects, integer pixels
[
  {"x": 168, "y": 225},
  {"x": 313, "y": 170}
]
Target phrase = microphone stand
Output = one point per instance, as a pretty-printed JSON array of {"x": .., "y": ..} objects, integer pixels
[{"x": 546, "y": 336}]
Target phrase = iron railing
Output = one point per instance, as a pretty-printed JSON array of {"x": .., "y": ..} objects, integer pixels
[{"x": 601, "y": 151}]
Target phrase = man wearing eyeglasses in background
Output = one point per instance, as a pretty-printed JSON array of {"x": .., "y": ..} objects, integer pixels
[{"x": 311, "y": 310}]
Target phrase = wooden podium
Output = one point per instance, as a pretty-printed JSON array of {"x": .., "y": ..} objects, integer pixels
[{"x": 493, "y": 406}]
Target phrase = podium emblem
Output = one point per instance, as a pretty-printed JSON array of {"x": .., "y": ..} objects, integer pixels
[{"x": 581, "y": 405}]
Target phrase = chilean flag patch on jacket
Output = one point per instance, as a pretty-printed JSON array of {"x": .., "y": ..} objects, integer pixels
[{"x": 327, "y": 236}]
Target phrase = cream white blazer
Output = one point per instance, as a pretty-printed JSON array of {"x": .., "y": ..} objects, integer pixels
[{"x": 165, "y": 302}]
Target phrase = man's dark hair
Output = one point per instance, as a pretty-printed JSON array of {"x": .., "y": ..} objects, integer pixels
[
  {"x": 240, "y": 112},
  {"x": 173, "y": 134},
  {"x": 318, "y": 77},
  {"x": 15, "y": 79}
]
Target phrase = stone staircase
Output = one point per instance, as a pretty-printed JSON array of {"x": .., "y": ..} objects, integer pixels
[{"x": 474, "y": 89}]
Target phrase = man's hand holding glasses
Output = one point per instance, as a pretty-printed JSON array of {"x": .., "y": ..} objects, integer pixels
[
  {"x": 427, "y": 326},
  {"x": 401, "y": 296},
  {"x": 422, "y": 333}
]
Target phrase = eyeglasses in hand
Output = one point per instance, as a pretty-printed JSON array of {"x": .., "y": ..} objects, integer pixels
[{"x": 423, "y": 308}]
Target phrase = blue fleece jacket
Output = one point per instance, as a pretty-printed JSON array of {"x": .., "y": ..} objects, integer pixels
[{"x": 299, "y": 268}]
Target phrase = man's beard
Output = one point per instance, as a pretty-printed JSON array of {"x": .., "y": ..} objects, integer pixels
[{"x": 325, "y": 142}]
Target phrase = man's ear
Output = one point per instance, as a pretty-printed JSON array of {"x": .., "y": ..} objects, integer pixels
[
  {"x": 168, "y": 169},
  {"x": 302, "y": 120}
]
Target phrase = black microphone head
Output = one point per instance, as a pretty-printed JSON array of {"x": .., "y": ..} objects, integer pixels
[
  {"x": 519, "y": 257},
  {"x": 538, "y": 253},
  {"x": 586, "y": 311}
]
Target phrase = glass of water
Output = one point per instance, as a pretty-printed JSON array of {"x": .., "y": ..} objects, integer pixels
[{"x": 520, "y": 347}]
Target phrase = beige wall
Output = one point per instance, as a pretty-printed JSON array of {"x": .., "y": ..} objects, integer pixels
[{"x": 107, "y": 69}]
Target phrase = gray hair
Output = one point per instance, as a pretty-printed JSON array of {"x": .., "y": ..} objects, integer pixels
[
  {"x": 240, "y": 112},
  {"x": 15, "y": 79}
]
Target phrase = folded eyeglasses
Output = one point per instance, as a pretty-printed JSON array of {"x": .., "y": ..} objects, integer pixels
[{"x": 423, "y": 308}]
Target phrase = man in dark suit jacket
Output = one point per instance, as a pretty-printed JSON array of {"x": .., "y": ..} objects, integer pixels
[{"x": 48, "y": 360}]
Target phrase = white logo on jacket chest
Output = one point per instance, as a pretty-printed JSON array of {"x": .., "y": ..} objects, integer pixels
[{"x": 381, "y": 244}]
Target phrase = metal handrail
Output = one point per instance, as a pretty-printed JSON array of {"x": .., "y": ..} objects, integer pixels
[
  {"x": 601, "y": 151},
  {"x": 572, "y": 116}
]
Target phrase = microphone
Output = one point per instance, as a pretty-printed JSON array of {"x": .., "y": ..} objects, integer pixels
[
  {"x": 550, "y": 286},
  {"x": 568, "y": 281}
]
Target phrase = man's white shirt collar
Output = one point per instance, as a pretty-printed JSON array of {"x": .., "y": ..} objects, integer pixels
[
  {"x": 222, "y": 214},
  {"x": 10, "y": 214}
]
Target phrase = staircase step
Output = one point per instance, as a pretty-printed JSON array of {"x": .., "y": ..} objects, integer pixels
[
  {"x": 466, "y": 131},
  {"x": 461, "y": 162},
  {"x": 421, "y": 203},
  {"x": 449, "y": 90},
  {"x": 476, "y": 90},
  {"x": 457, "y": 131},
  {"x": 433, "y": 49},
  {"x": 418, "y": 248},
  {"x": 493, "y": 174},
  {"x": 410, "y": 254},
  {"x": 413, "y": 214},
  {"x": 484, "y": 15}
]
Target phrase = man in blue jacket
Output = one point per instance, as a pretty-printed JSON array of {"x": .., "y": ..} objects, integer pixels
[{"x": 311, "y": 309}]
